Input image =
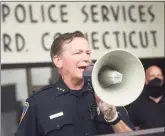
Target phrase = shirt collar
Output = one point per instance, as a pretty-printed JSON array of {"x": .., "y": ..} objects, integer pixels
[
  {"x": 162, "y": 100},
  {"x": 62, "y": 88}
]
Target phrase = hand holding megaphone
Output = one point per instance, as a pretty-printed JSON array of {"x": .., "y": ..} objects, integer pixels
[
  {"x": 116, "y": 76},
  {"x": 109, "y": 111}
]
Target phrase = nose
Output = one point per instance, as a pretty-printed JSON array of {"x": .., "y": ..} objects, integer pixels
[
  {"x": 157, "y": 76},
  {"x": 86, "y": 58}
]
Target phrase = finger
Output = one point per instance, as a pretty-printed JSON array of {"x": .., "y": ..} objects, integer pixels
[{"x": 97, "y": 98}]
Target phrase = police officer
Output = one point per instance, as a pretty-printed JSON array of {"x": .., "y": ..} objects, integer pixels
[{"x": 68, "y": 107}]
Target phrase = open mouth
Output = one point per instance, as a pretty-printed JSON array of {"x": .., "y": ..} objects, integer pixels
[{"x": 82, "y": 67}]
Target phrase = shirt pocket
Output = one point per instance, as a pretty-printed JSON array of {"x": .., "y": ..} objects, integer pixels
[{"x": 62, "y": 125}]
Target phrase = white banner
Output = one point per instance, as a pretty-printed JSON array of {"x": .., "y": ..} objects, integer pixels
[{"x": 28, "y": 28}]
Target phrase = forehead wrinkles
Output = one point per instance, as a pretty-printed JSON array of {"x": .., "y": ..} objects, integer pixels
[{"x": 153, "y": 70}]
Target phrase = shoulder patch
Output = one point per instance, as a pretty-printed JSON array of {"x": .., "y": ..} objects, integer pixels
[{"x": 25, "y": 108}]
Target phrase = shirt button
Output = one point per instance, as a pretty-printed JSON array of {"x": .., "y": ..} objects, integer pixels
[
  {"x": 86, "y": 134},
  {"x": 58, "y": 126}
]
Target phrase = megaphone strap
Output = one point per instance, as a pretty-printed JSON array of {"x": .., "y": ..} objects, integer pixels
[{"x": 125, "y": 109}]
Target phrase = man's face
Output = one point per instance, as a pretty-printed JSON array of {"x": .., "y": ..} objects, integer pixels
[
  {"x": 75, "y": 57},
  {"x": 154, "y": 72}
]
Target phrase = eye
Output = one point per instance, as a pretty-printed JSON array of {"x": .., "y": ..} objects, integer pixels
[
  {"x": 160, "y": 76},
  {"x": 89, "y": 53},
  {"x": 151, "y": 75},
  {"x": 77, "y": 53}
]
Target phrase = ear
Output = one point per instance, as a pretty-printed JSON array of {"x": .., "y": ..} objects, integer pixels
[
  {"x": 146, "y": 79},
  {"x": 57, "y": 61}
]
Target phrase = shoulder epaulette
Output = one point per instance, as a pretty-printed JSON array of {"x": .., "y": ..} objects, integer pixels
[{"x": 45, "y": 88}]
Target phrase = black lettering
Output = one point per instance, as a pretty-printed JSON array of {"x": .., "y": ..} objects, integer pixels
[
  {"x": 154, "y": 37},
  {"x": 130, "y": 13},
  {"x": 130, "y": 39},
  {"x": 20, "y": 42},
  {"x": 94, "y": 13},
  {"x": 20, "y": 10},
  {"x": 43, "y": 41},
  {"x": 94, "y": 40},
  {"x": 31, "y": 15},
  {"x": 115, "y": 13},
  {"x": 141, "y": 13},
  {"x": 143, "y": 39},
  {"x": 5, "y": 12},
  {"x": 116, "y": 33},
  {"x": 104, "y": 41},
  {"x": 151, "y": 14},
  {"x": 85, "y": 13},
  {"x": 86, "y": 36},
  {"x": 125, "y": 40},
  {"x": 50, "y": 15},
  {"x": 7, "y": 42},
  {"x": 124, "y": 13},
  {"x": 63, "y": 13},
  {"x": 43, "y": 13},
  {"x": 105, "y": 12},
  {"x": 56, "y": 35}
]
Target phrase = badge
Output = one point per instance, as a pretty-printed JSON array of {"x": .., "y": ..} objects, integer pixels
[{"x": 25, "y": 108}]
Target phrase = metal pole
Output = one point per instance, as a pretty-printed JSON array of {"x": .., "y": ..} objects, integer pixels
[{"x": 29, "y": 80}]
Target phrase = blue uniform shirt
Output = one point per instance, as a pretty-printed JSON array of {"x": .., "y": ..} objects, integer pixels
[{"x": 56, "y": 110}]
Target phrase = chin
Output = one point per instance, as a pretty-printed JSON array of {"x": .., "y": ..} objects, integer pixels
[{"x": 80, "y": 77}]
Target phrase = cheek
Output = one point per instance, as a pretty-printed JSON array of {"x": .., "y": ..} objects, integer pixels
[
  {"x": 151, "y": 77},
  {"x": 70, "y": 64},
  {"x": 75, "y": 61},
  {"x": 90, "y": 58},
  {"x": 66, "y": 63},
  {"x": 161, "y": 77}
]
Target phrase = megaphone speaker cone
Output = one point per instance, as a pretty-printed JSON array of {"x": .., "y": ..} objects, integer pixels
[{"x": 118, "y": 77}]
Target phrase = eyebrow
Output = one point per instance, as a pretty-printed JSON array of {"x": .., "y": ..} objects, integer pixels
[
  {"x": 85, "y": 51},
  {"x": 156, "y": 74}
]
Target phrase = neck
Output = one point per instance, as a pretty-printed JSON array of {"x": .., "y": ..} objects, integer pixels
[
  {"x": 156, "y": 100},
  {"x": 73, "y": 83}
]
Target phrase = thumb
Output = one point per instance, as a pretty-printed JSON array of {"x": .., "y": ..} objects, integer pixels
[{"x": 97, "y": 99}]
